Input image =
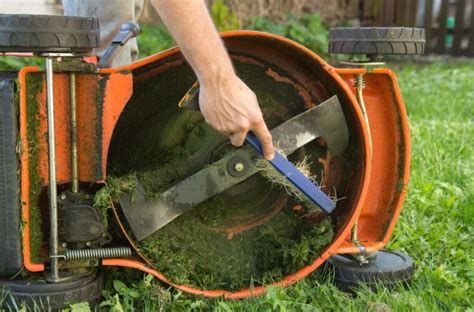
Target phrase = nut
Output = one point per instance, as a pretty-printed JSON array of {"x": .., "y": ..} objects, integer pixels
[{"x": 239, "y": 167}]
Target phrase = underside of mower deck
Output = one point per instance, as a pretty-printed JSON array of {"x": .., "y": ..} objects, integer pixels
[{"x": 117, "y": 130}]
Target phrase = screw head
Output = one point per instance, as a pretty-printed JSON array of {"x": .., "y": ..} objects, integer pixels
[
  {"x": 62, "y": 196},
  {"x": 239, "y": 167},
  {"x": 88, "y": 243},
  {"x": 64, "y": 245}
]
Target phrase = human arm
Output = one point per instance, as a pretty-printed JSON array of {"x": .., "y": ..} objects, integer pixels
[{"x": 226, "y": 102}]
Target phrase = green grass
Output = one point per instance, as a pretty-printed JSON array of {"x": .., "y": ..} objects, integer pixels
[{"x": 435, "y": 227}]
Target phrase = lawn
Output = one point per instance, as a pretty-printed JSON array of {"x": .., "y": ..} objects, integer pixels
[{"x": 435, "y": 228}]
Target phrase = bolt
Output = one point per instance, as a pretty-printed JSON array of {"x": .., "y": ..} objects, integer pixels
[
  {"x": 88, "y": 244},
  {"x": 62, "y": 196},
  {"x": 239, "y": 167},
  {"x": 64, "y": 245}
]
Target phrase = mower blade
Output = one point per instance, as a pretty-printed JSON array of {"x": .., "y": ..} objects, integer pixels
[
  {"x": 145, "y": 217},
  {"x": 325, "y": 120}
]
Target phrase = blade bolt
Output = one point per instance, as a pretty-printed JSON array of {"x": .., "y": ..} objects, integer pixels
[{"x": 239, "y": 167}]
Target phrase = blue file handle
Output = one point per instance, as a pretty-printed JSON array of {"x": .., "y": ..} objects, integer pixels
[{"x": 295, "y": 177}]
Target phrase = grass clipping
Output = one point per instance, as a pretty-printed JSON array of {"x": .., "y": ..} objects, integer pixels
[
  {"x": 276, "y": 178},
  {"x": 188, "y": 251}
]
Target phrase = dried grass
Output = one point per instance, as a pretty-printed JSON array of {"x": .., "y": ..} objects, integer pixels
[{"x": 304, "y": 166}]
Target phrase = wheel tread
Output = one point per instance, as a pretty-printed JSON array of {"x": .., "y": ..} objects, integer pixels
[
  {"x": 10, "y": 246},
  {"x": 53, "y": 33},
  {"x": 52, "y": 296},
  {"x": 376, "y": 40},
  {"x": 348, "y": 275}
]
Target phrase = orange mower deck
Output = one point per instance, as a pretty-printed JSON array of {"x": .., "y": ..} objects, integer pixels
[{"x": 379, "y": 177}]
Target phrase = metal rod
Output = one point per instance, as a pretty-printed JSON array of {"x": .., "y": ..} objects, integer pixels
[
  {"x": 53, "y": 208},
  {"x": 72, "y": 97},
  {"x": 354, "y": 237},
  {"x": 360, "y": 85}
]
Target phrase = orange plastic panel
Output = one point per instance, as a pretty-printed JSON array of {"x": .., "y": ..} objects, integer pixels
[
  {"x": 390, "y": 158},
  {"x": 100, "y": 99},
  {"x": 25, "y": 181}
]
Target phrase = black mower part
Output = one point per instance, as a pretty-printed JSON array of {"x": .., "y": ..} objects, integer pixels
[
  {"x": 386, "y": 269},
  {"x": 48, "y": 33},
  {"x": 10, "y": 245},
  {"x": 376, "y": 40},
  {"x": 39, "y": 295}
]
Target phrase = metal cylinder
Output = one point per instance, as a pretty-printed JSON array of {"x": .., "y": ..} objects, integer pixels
[
  {"x": 98, "y": 253},
  {"x": 53, "y": 203}
]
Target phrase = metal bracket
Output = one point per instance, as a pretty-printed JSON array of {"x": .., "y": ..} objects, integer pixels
[
  {"x": 364, "y": 256},
  {"x": 127, "y": 31},
  {"x": 74, "y": 65}
]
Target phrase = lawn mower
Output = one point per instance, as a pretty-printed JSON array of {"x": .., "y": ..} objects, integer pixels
[{"x": 116, "y": 166}]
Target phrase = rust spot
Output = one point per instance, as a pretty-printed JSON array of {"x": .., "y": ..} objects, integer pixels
[
  {"x": 159, "y": 69},
  {"x": 246, "y": 59},
  {"x": 297, "y": 208},
  {"x": 301, "y": 90}
]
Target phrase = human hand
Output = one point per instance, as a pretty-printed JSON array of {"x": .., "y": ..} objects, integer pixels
[{"x": 230, "y": 106}]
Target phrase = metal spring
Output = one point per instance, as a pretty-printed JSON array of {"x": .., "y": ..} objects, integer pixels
[
  {"x": 359, "y": 81},
  {"x": 360, "y": 85},
  {"x": 98, "y": 253}
]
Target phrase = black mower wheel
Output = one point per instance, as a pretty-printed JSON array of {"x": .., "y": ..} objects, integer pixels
[
  {"x": 48, "y": 33},
  {"x": 39, "y": 295},
  {"x": 387, "y": 269},
  {"x": 376, "y": 40},
  {"x": 10, "y": 245}
]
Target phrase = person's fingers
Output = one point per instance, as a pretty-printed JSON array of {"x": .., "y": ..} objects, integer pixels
[
  {"x": 262, "y": 133},
  {"x": 237, "y": 139}
]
